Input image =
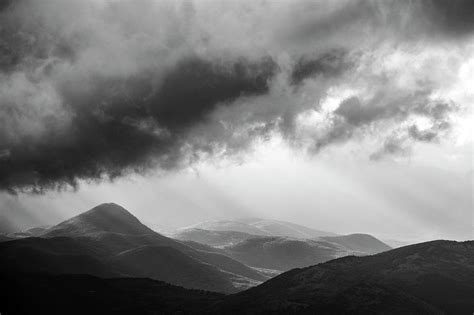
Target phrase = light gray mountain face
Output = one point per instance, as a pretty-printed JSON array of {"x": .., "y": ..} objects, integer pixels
[
  {"x": 108, "y": 241},
  {"x": 282, "y": 228},
  {"x": 262, "y": 249},
  {"x": 213, "y": 238},
  {"x": 283, "y": 254},
  {"x": 361, "y": 244},
  {"x": 256, "y": 226}
]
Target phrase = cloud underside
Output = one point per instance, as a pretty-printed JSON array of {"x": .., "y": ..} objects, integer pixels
[{"x": 97, "y": 90}]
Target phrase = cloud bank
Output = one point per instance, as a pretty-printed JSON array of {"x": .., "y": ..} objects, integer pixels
[{"x": 93, "y": 90}]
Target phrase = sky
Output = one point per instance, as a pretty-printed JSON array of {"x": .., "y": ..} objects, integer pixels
[{"x": 346, "y": 116}]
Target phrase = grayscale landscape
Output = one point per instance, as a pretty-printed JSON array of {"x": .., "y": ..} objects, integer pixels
[{"x": 236, "y": 157}]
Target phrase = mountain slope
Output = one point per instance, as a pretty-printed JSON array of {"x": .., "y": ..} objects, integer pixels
[
  {"x": 228, "y": 225},
  {"x": 108, "y": 217},
  {"x": 256, "y": 226},
  {"x": 60, "y": 255},
  {"x": 288, "y": 229},
  {"x": 282, "y": 253},
  {"x": 172, "y": 266},
  {"x": 4, "y": 238},
  {"x": 82, "y": 294},
  {"x": 33, "y": 232},
  {"x": 426, "y": 278},
  {"x": 364, "y": 243},
  {"x": 212, "y": 238}
]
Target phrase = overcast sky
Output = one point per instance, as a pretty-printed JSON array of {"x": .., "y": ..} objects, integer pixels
[{"x": 347, "y": 116}]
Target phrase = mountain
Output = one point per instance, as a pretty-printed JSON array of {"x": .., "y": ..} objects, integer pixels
[
  {"x": 228, "y": 225},
  {"x": 429, "y": 278},
  {"x": 256, "y": 226},
  {"x": 4, "y": 238},
  {"x": 363, "y": 243},
  {"x": 115, "y": 243},
  {"x": 396, "y": 243},
  {"x": 172, "y": 266},
  {"x": 283, "y": 253},
  {"x": 108, "y": 217},
  {"x": 288, "y": 229},
  {"x": 212, "y": 237},
  {"x": 33, "y": 232},
  {"x": 59, "y": 255}
]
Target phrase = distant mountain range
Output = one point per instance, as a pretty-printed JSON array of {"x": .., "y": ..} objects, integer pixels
[
  {"x": 286, "y": 253},
  {"x": 213, "y": 238},
  {"x": 256, "y": 226},
  {"x": 108, "y": 241},
  {"x": 281, "y": 252},
  {"x": 361, "y": 244},
  {"x": 99, "y": 262}
]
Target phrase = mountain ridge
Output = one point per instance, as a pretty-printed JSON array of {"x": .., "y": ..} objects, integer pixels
[
  {"x": 107, "y": 230},
  {"x": 280, "y": 252},
  {"x": 399, "y": 280},
  {"x": 262, "y": 227},
  {"x": 359, "y": 242},
  {"x": 106, "y": 217}
]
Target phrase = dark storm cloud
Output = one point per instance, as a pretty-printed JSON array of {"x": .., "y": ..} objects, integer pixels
[
  {"x": 454, "y": 18},
  {"x": 398, "y": 143},
  {"x": 328, "y": 64},
  {"x": 354, "y": 116},
  {"x": 5, "y": 4},
  {"x": 122, "y": 125},
  {"x": 195, "y": 87},
  {"x": 94, "y": 90}
]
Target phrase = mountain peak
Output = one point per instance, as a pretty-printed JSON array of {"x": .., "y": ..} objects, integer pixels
[
  {"x": 110, "y": 209},
  {"x": 106, "y": 217}
]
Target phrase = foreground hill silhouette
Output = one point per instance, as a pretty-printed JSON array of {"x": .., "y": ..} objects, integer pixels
[
  {"x": 429, "y": 278},
  {"x": 83, "y": 294},
  {"x": 108, "y": 241}
]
